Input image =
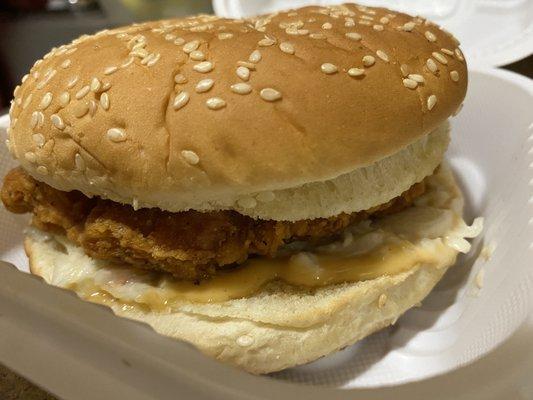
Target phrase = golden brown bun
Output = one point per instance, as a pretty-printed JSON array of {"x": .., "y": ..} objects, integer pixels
[{"x": 103, "y": 114}]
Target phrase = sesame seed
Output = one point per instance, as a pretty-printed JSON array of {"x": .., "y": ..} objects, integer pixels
[
  {"x": 447, "y": 51},
  {"x": 45, "y": 102},
  {"x": 191, "y": 46},
  {"x": 286, "y": 47},
  {"x": 243, "y": 73},
  {"x": 30, "y": 156},
  {"x": 79, "y": 162},
  {"x": 266, "y": 197},
  {"x": 105, "y": 86},
  {"x": 432, "y": 66},
  {"x": 138, "y": 46},
  {"x": 204, "y": 85},
  {"x": 25, "y": 77},
  {"x": 37, "y": 119},
  {"x": 378, "y": 27},
  {"x": 81, "y": 110},
  {"x": 255, "y": 57},
  {"x": 95, "y": 84},
  {"x": 410, "y": 83},
  {"x": 127, "y": 63},
  {"x": 459, "y": 54},
  {"x": 269, "y": 94},
  {"x": 146, "y": 59},
  {"x": 179, "y": 41},
  {"x": 408, "y": 26},
  {"x": 82, "y": 92},
  {"x": 384, "y": 20},
  {"x": 180, "y": 100},
  {"x": 328, "y": 68},
  {"x": 116, "y": 135},
  {"x": 38, "y": 139},
  {"x": 170, "y": 37},
  {"x": 64, "y": 99},
  {"x": 215, "y": 103},
  {"x": 417, "y": 78},
  {"x": 197, "y": 55},
  {"x": 480, "y": 278},
  {"x": 368, "y": 18},
  {"x": 381, "y": 54},
  {"x": 430, "y": 36},
  {"x": 266, "y": 42},
  {"x": 66, "y": 63},
  {"x": 27, "y": 101},
  {"x": 225, "y": 35},
  {"x": 382, "y": 300},
  {"x": 72, "y": 82},
  {"x": 317, "y": 36},
  {"x": 327, "y": 25},
  {"x": 353, "y": 36},
  {"x": 350, "y": 23},
  {"x": 405, "y": 70},
  {"x": 365, "y": 22},
  {"x": 104, "y": 101},
  {"x": 249, "y": 65},
  {"x": 247, "y": 202},
  {"x": 41, "y": 169},
  {"x": 203, "y": 67},
  {"x": 439, "y": 57},
  {"x": 47, "y": 76},
  {"x": 241, "y": 88},
  {"x": 140, "y": 53},
  {"x": 180, "y": 79},
  {"x": 432, "y": 100},
  {"x": 155, "y": 58},
  {"x": 356, "y": 71},
  {"x": 190, "y": 157},
  {"x": 57, "y": 121},
  {"x": 454, "y": 75},
  {"x": 368, "y": 61}
]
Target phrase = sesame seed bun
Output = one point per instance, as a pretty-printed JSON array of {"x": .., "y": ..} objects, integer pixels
[{"x": 206, "y": 113}]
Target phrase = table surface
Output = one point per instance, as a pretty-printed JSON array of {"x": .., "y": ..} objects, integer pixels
[{"x": 14, "y": 387}]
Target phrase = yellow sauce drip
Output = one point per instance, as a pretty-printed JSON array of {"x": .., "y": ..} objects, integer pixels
[{"x": 326, "y": 270}]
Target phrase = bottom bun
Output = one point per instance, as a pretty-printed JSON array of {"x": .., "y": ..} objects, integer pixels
[{"x": 281, "y": 325}]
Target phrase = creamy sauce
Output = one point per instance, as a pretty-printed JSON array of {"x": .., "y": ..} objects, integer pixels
[{"x": 304, "y": 270}]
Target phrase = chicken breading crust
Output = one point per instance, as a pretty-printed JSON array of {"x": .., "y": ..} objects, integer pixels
[{"x": 189, "y": 244}]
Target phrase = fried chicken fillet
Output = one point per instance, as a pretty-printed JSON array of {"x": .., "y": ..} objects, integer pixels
[{"x": 189, "y": 244}]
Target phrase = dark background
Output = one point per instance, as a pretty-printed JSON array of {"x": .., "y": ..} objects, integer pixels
[{"x": 30, "y": 28}]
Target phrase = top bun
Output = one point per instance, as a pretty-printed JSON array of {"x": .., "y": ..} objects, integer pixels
[{"x": 208, "y": 113}]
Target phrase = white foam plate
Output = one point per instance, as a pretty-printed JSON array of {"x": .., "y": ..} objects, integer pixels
[
  {"x": 492, "y": 32},
  {"x": 492, "y": 153}
]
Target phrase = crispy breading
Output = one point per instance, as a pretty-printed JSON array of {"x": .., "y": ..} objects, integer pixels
[{"x": 189, "y": 244}]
